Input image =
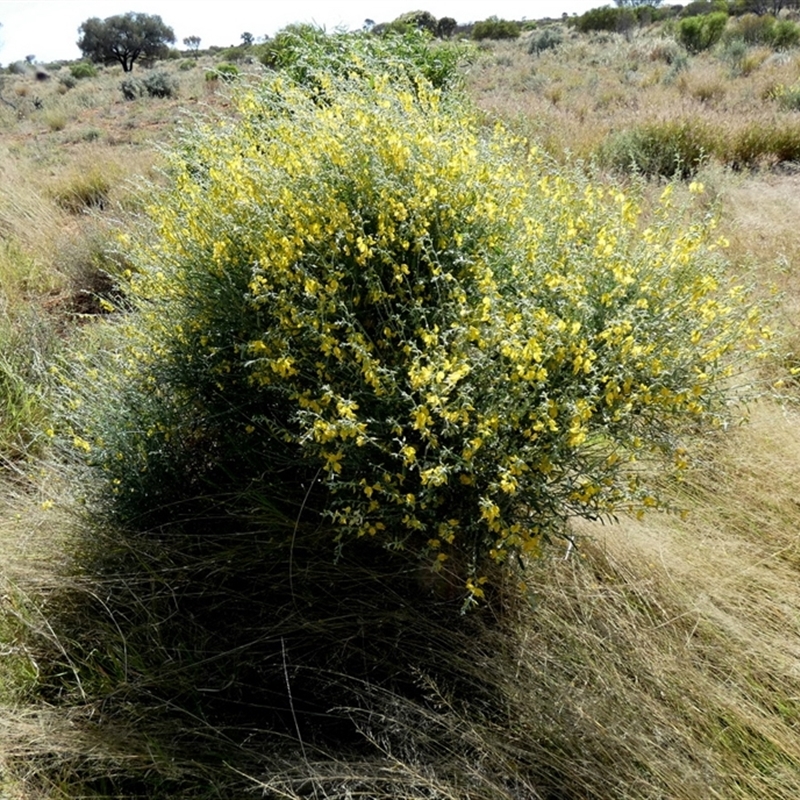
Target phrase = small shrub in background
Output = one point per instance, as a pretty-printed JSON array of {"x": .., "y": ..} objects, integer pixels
[
  {"x": 187, "y": 64},
  {"x": 664, "y": 148},
  {"x": 734, "y": 52},
  {"x": 445, "y": 27},
  {"x": 225, "y": 72},
  {"x": 547, "y": 39},
  {"x": 753, "y": 59},
  {"x": 83, "y": 70},
  {"x": 414, "y": 20},
  {"x": 606, "y": 18},
  {"x": 703, "y": 32},
  {"x": 762, "y": 142},
  {"x": 494, "y": 28},
  {"x": 68, "y": 80},
  {"x": 160, "y": 84},
  {"x": 384, "y": 319},
  {"x": 132, "y": 88},
  {"x": 305, "y": 51},
  {"x": 753, "y": 29},
  {"x": 677, "y": 69},
  {"x": 786, "y": 35},
  {"x": 237, "y": 53},
  {"x": 666, "y": 50},
  {"x": 699, "y": 8}
]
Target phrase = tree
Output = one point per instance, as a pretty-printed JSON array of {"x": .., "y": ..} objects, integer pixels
[
  {"x": 415, "y": 19},
  {"x": 445, "y": 27},
  {"x": 494, "y": 28},
  {"x": 248, "y": 39},
  {"x": 192, "y": 43},
  {"x": 124, "y": 37}
]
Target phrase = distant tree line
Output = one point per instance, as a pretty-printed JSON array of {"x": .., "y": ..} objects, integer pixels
[{"x": 125, "y": 38}]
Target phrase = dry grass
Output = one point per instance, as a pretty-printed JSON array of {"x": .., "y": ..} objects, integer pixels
[{"x": 574, "y": 97}]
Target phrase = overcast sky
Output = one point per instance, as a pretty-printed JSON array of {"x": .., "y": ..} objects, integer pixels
[{"x": 48, "y": 29}]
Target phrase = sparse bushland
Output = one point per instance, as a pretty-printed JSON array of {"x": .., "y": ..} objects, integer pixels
[
  {"x": 652, "y": 106},
  {"x": 656, "y": 660}
]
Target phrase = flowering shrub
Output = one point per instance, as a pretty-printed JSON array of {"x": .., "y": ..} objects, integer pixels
[{"x": 382, "y": 315}]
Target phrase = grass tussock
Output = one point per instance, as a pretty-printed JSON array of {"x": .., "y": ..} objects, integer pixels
[{"x": 84, "y": 190}]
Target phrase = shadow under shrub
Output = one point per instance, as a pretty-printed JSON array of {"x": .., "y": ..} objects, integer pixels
[
  {"x": 338, "y": 679},
  {"x": 238, "y": 642}
]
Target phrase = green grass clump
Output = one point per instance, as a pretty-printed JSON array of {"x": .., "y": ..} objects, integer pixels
[
  {"x": 227, "y": 72},
  {"x": 27, "y": 341},
  {"x": 21, "y": 408},
  {"x": 84, "y": 191}
]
